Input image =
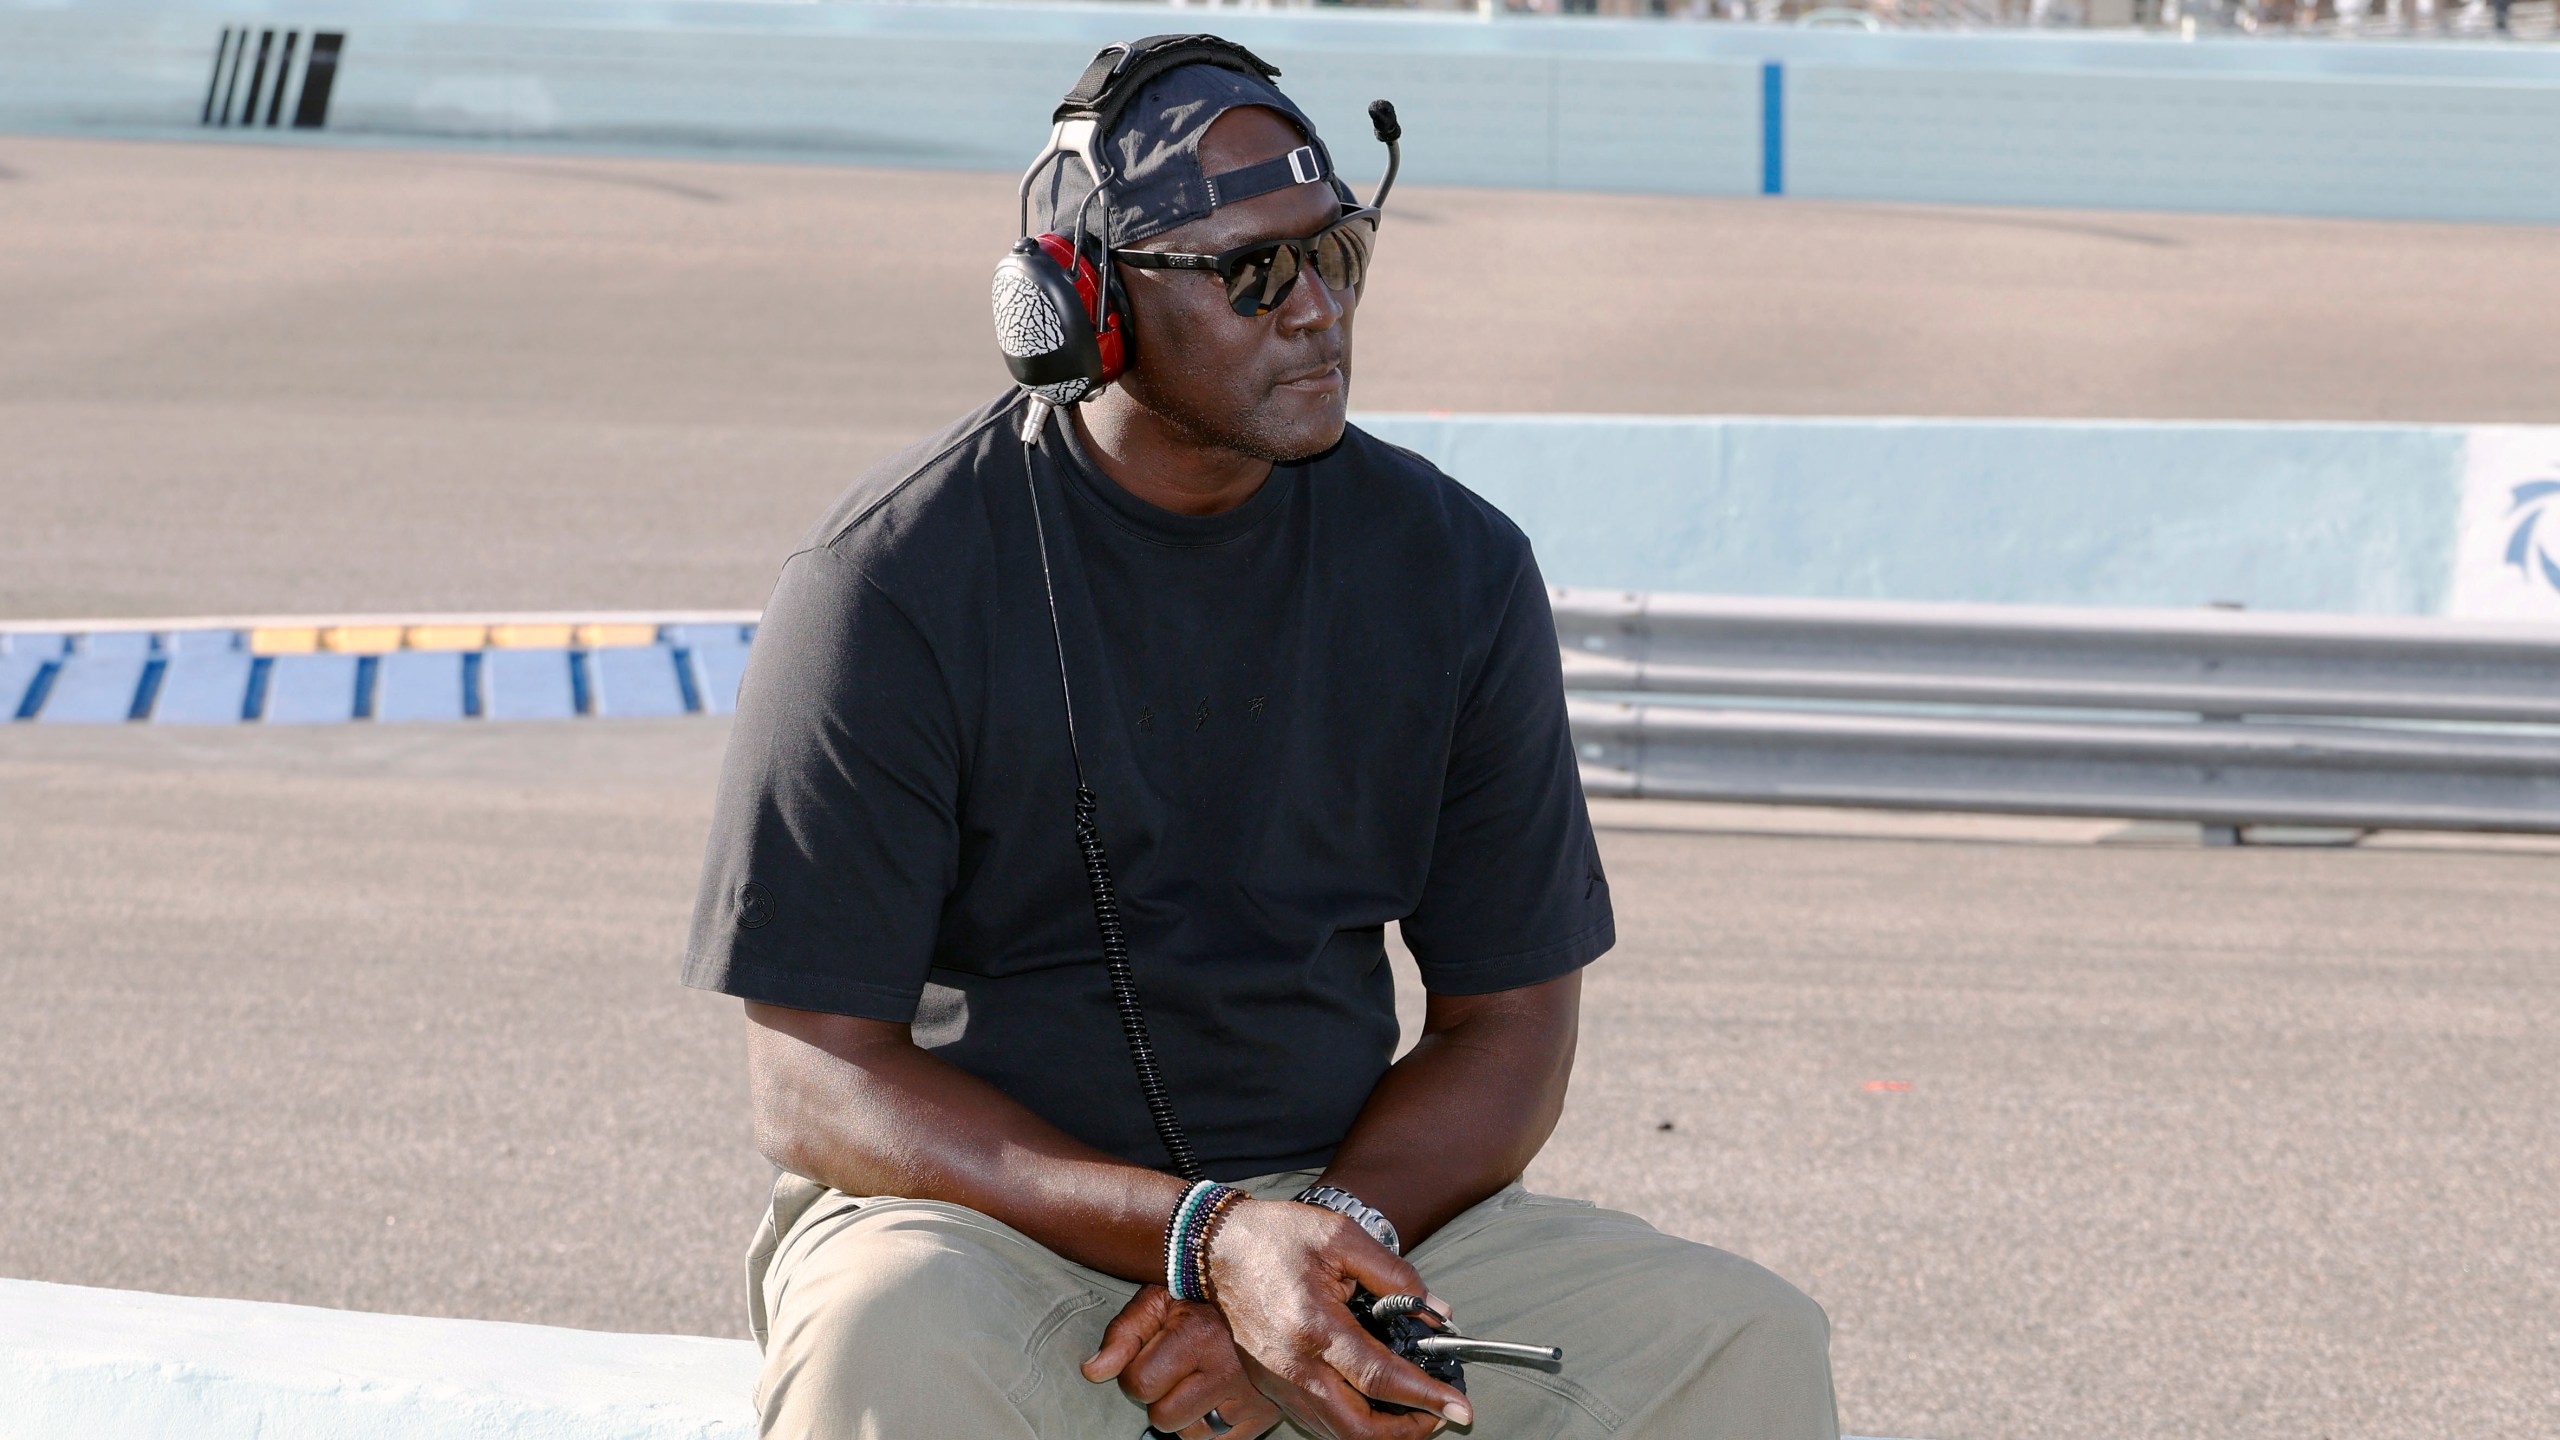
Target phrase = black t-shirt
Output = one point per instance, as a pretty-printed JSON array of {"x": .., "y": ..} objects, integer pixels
[{"x": 1335, "y": 705}]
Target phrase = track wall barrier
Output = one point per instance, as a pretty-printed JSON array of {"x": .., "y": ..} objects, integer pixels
[
  {"x": 2376, "y": 129},
  {"x": 2342, "y": 519},
  {"x": 80, "y": 1361}
]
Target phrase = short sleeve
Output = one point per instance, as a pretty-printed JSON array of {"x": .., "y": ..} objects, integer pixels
[
  {"x": 1515, "y": 894},
  {"x": 834, "y": 838}
]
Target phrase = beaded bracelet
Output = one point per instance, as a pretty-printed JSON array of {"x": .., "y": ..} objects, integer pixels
[
  {"x": 1213, "y": 1216},
  {"x": 1186, "y": 1237}
]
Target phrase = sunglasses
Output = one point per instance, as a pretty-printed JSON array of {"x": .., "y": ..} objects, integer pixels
[{"x": 1259, "y": 276}]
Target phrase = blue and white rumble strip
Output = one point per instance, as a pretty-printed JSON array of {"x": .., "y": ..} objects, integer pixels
[{"x": 281, "y": 672}]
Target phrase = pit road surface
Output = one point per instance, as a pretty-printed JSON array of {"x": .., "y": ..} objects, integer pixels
[
  {"x": 2195, "y": 1142},
  {"x": 242, "y": 378}
]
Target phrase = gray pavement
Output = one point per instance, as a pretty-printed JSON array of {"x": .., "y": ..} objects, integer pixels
[
  {"x": 2196, "y": 1141},
  {"x": 259, "y": 378}
]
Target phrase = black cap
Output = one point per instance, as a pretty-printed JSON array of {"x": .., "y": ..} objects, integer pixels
[{"x": 1150, "y": 158}]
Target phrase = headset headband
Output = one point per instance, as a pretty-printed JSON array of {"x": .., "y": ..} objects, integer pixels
[
  {"x": 1118, "y": 72},
  {"x": 1115, "y": 77}
]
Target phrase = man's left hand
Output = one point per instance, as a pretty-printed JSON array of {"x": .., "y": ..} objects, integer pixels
[{"x": 1177, "y": 1359}]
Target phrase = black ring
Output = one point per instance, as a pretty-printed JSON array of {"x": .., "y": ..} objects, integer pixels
[{"x": 1218, "y": 1420}]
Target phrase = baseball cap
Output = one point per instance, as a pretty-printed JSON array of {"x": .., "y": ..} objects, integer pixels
[{"x": 1149, "y": 156}]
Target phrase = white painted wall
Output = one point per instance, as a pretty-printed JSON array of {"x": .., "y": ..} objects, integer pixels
[
  {"x": 83, "y": 1364},
  {"x": 2352, "y": 519},
  {"x": 121, "y": 1365},
  {"x": 2507, "y": 555}
]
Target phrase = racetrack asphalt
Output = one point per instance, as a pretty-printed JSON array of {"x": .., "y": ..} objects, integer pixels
[
  {"x": 2195, "y": 1141},
  {"x": 264, "y": 378}
]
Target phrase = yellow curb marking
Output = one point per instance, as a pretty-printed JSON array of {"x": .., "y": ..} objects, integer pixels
[
  {"x": 532, "y": 637},
  {"x": 360, "y": 639},
  {"x": 448, "y": 637},
  {"x": 598, "y": 636},
  {"x": 284, "y": 640}
]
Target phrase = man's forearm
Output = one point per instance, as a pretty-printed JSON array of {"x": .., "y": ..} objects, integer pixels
[
  {"x": 857, "y": 1105},
  {"x": 1465, "y": 1112}
]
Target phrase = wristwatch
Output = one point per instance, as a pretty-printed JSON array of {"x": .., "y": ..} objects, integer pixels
[{"x": 1351, "y": 1207}]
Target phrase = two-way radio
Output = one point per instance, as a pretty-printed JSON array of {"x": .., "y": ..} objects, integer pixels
[{"x": 1422, "y": 1336}]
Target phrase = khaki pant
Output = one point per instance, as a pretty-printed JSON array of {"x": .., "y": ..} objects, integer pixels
[{"x": 893, "y": 1319}]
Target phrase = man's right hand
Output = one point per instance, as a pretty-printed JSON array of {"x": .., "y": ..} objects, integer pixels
[{"x": 1283, "y": 1274}]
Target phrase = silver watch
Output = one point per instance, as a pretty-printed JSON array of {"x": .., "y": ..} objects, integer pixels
[{"x": 1351, "y": 1207}]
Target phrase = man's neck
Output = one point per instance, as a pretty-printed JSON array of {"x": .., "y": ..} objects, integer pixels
[{"x": 1141, "y": 456}]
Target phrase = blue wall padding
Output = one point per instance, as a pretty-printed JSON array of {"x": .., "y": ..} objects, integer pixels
[
  {"x": 34, "y": 646},
  {"x": 200, "y": 642},
  {"x": 418, "y": 685},
  {"x": 716, "y": 672},
  {"x": 17, "y": 676},
  {"x": 121, "y": 644},
  {"x": 527, "y": 685},
  {"x": 636, "y": 680},
  {"x": 94, "y": 690},
  {"x": 204, "y": 688},
  {"x": 311, "y": 690},
  {"x": 2351, "y": 519}
]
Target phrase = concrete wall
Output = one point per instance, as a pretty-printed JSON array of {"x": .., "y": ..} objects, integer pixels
[
  {"x": 121, "y": 1365},
  {"x": 127, "y": 1365},
  {"x": 2434, "y": 130},
  {"x": 2341, "y": 518}
]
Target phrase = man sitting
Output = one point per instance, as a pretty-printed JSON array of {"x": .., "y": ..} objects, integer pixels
[{"x": 1314, "y": 688}]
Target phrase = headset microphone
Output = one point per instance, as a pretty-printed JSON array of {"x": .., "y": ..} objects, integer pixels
[{"x": 1382, "y": 121}]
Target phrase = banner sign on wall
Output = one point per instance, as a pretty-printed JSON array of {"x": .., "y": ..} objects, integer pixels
[{"x": 2506, "y": 563}]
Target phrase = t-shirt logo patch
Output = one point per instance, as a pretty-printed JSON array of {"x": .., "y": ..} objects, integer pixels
[{"x": 755, "y": 906}]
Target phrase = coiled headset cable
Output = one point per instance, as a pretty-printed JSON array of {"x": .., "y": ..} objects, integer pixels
[
  {"x": 1079, "y": 123},
  {"x": 1097, "y": 874}
]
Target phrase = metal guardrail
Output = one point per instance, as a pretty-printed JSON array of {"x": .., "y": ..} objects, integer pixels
[{"x": 2379, "y": 722}]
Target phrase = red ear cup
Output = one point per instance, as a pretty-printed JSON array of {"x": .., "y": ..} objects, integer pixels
[{"x": 1108, "y": 333}]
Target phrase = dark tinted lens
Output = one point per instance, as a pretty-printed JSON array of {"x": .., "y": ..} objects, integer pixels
[
  {"x": 1342, "y": 253},
  {"x": 1261, "y": 278}
]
